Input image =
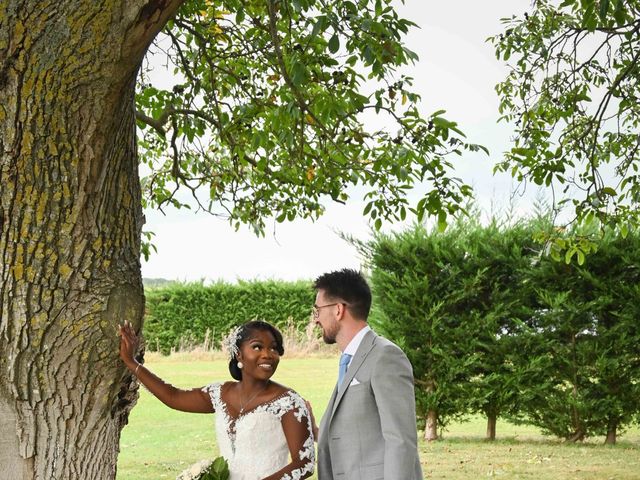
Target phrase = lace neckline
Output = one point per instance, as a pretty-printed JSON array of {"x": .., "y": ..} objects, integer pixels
[{"x": 232, "y": 419}]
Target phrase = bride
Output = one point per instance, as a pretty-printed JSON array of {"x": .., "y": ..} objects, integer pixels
[{"x": 264, "y": 429}]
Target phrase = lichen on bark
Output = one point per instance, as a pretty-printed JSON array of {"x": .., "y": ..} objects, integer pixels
[{"x": 70, "y": 225}]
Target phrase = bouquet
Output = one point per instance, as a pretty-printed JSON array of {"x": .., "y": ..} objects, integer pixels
[{"x": 206, "y": 470}]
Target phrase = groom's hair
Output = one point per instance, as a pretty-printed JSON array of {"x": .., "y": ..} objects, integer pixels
[
  {"x": 244, "y": 333},
  {"x": 350, "y": 286}
]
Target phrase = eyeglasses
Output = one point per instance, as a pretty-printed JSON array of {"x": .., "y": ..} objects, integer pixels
[{"x": 316, "y": 308}]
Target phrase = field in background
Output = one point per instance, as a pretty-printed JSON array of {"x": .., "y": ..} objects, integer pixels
[{"x": 158, "y": 443}]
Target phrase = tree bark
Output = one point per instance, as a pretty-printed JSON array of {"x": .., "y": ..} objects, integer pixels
[
  {"x": 492, "y": 419},
  {"x": 612, "y": 430},
  {"x": 577, "y": 436},
  {"x": 70, "y": 225},
  {"x": 431, "y": 427}
]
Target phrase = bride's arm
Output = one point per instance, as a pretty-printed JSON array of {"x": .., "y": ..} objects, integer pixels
[
  {"x": 298, "y": 432},
  {"x": 193, "y": 400},
  {"x": 314, "y": 425}
]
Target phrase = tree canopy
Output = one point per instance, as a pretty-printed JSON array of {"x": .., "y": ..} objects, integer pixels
[
  {"x": 278, "y": 104},
  {"x": 572, "y": 94}
]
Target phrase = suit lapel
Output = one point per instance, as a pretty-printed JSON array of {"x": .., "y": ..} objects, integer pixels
[
  {"x": 361, "y": 354},
  {"x": 326, "y": 418}
]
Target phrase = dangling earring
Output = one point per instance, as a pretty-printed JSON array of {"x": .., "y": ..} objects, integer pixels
[{"x": 240, "y": 365}]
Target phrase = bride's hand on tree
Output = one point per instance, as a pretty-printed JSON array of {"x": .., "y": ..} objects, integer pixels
[
  {"x": 128, "y": 344},
  {"x": 194, "y": 400}
]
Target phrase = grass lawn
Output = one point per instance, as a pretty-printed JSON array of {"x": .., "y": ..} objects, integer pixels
[{"x": 159, "y": 442}]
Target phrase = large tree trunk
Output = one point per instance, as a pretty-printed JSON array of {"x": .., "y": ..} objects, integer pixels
[
  {"x": 70, "y": 223},
  {"x": 492, "y": 420}
]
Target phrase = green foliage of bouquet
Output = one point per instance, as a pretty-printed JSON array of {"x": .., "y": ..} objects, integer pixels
[{"x": 217, "y": 469}]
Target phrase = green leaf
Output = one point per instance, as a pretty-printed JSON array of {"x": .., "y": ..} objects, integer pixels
[
  {"x": 220, "y": 465},
  {"x": 604, "y": 7},
  {"x": 569, "y": 255},
  {"x": 298, "y": 73},
  {"x": 589, "y": 18},
  {"x": 218, "y": 470},
  {"x": 442, "y": 221},
  {"x": 368, "y": 55},
  {"x": 334, "y": 43},
  {"x": 624, "y": 230},
  {"x": 619, "y": 13},
  {"x": 320, "y": 26}
]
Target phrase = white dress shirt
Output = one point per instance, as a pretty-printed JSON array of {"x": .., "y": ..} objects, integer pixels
[{"x": 355, "y": 342}]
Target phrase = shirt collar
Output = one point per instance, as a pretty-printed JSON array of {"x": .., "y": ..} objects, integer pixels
[{"x": 352, "y": 348}]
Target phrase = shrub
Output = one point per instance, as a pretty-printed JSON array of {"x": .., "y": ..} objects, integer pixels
[{"x": 183, "y": 312}]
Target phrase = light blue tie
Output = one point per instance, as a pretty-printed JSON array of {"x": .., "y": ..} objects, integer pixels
[{"x": 345, "y": 358}]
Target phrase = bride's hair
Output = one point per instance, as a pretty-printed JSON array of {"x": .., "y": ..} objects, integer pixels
[{"x": 243, "y": 334}]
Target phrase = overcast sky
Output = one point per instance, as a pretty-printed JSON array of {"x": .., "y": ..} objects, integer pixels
[{"x": 457, "y": 71}]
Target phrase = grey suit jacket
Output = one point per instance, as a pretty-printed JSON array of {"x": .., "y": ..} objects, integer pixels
[{"x": 369, "y": 429}]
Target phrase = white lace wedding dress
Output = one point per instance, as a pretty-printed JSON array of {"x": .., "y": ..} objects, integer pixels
[{"x": 254, "y": 444}]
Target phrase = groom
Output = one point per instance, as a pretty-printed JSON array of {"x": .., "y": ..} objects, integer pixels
[{"x": 368, "y": 431}]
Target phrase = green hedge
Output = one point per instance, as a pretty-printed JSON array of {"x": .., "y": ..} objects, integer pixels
[
  {"x": 185, "y": 311},
  {"x": 493, "y": 325}
]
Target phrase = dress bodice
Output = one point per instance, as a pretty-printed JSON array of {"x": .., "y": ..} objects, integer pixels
[{"x": 254, "y": 443}]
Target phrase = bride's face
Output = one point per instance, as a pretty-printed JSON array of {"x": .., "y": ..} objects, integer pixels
[{"x": 259, "y": 354}]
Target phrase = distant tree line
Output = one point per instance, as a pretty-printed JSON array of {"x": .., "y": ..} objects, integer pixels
[
  {"x": 183, "y": 313},
  {"x": 494, "y": 325}
]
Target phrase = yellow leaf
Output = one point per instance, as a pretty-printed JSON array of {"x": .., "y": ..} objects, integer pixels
[
  {"x": 309, "y": 119},
  {"x": 404, "y": 99},
  {"x": 311, "y": 173}
]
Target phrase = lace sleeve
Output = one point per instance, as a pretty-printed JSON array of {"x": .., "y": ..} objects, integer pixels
[
  {"x": 213, "y": 390},
  {"x": 296, "y": 424}
]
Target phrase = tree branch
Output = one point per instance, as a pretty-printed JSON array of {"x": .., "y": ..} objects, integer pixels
[
  {"x": 158, "y": 124},
  {"x": 151, "y": 18}
]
